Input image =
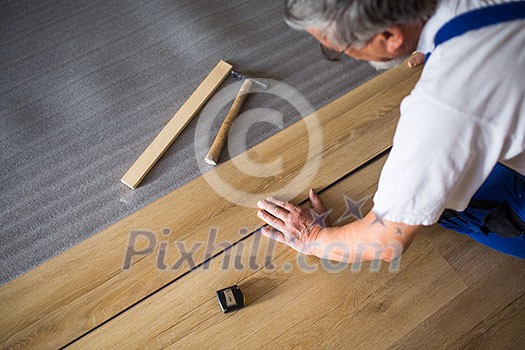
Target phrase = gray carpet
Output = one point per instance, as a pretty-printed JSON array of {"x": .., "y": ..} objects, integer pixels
[{"x": 86, "y": 85}]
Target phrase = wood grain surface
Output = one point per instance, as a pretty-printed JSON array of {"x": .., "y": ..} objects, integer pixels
[
  {"x": 297, "y": 302},
  {"x": 360, "y": 309}
]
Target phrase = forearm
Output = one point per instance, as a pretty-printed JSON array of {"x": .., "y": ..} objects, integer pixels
[{"x": 363, "y": 240}]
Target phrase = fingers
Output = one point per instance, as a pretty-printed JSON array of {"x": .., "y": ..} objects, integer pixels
[
  {"x": 317, "y": 202},
  {"x": 273, "y": 234},
  {"x": 274, "y": 207},
  {"x": 417, "y": 59},
  {"x": 271, "y": 220},
  {"x": 286, "y": 205}
]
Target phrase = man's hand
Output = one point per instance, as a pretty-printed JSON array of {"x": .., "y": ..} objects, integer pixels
[
  {"x": 416, "y": 59},
  {"x": 307, "y": 231},
  {"x": 292, "y": 225}
]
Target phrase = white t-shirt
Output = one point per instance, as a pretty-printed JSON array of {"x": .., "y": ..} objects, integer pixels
[{"x": 466, "y": 113}]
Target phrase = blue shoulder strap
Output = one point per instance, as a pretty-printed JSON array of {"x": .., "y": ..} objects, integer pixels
[{"x": 478, "y": 19}]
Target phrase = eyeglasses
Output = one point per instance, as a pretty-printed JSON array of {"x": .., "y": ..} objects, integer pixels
[{"x": 331, "y": 54}]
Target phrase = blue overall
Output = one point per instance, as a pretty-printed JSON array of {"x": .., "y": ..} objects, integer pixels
[{"x": 496, "y": 213}]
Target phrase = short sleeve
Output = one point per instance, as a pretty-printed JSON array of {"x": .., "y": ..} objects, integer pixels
[{"x": 440, "y": 157}]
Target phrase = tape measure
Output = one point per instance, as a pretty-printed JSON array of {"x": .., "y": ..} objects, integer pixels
[{"x": 230, "y": 299}]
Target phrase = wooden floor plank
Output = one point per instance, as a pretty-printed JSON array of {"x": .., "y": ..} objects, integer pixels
[
  {"x": 470, "y": 259},
  {"x": 85, "y": 286},
  {"x": 387, "y": 314},
  {"x": 489, "y": 295},
  {"x": 320, "y": 309},
  {"x": 503, "y": 330}
]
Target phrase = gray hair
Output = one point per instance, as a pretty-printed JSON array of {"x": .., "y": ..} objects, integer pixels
[{"x": 355, "y": 22}]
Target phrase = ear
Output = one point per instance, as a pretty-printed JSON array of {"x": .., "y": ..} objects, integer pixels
[{"x": 394, "y": 38}]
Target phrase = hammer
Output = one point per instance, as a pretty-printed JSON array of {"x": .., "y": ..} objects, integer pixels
[{"x": 222, "y": 136}]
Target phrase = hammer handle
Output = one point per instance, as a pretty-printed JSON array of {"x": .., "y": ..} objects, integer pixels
[{"x": 222, "y": 136}]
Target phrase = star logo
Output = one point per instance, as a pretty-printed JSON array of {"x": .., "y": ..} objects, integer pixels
[
  {"x": 353, "y": 208},
  {"x": 378, "y": 219},
  {"x": 320, "y": 219},
  {"x": 399, "y": 231}
]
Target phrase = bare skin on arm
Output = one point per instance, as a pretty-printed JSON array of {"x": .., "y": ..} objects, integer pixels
[{"x": 364, "y": 240}]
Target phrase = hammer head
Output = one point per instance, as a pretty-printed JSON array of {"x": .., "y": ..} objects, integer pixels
[{"x": 240, "y": 76}]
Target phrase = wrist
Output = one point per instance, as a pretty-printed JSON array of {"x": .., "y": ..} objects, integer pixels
[{"x": 316, "y": 237}]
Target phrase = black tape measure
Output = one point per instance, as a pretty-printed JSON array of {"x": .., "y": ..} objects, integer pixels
[{"x": 230, "y": 298}]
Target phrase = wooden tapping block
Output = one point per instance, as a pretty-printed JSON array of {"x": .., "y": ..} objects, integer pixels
[{"x": 165, "y": 138}]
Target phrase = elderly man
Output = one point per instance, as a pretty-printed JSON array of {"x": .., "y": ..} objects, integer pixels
[{"x": 458, "y": 155}]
